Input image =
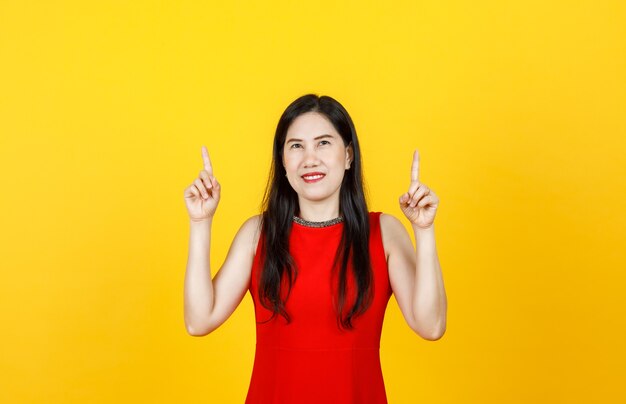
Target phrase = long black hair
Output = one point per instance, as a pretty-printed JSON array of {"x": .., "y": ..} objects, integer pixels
[{"x": 280, "y": 204}]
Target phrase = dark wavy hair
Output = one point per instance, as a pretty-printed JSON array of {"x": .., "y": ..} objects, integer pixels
[{"x": 280, "y": 204}]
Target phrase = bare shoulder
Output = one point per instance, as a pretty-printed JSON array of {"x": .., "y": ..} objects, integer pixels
[
  {"x": 392, "y": 232},
  {"x": 250, "y": 231}
]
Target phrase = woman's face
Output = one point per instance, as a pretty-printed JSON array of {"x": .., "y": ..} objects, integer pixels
[{"x": 315, "y": 157}]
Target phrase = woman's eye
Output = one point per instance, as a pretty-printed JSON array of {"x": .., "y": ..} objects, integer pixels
[{"x": 298, "y": 145}]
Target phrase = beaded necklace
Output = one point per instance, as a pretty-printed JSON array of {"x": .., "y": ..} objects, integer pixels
[{"x": 325, "y": 223}]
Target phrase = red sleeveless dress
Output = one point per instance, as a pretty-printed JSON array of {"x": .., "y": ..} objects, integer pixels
[{"x": 311, "y": 360}]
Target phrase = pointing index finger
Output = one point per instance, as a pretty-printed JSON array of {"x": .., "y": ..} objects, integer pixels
[
  {"x": 415, "y": 167},
  {"x": 207, "y": 160}
]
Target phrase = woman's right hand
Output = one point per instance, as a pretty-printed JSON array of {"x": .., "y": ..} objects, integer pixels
[{"x": 203, "y": 195}]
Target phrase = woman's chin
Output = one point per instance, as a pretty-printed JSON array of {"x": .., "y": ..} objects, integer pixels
[{"x": 315, "y": 196}]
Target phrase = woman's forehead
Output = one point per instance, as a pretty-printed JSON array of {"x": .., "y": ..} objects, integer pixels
[{"x": 310, "y": 125}]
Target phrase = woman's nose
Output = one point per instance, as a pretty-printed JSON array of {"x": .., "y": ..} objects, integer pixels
[{"x": 310, "y": 158}]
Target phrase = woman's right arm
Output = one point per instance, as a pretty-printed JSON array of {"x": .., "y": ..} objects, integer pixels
[{"x": 209, "y": 302}]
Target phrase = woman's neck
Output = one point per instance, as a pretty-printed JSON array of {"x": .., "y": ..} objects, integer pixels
[{"x": 318, "y": 212}]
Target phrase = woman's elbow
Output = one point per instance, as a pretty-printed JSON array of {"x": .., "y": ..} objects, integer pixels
[
  {"x": 199, "y": 330},
  {"x": 434, "y": 336},
  {"x": 196, "y": 332},
  {"x": 430, "y": 335}
]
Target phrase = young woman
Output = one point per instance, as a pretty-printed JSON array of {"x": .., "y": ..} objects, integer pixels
[{"x": 319, "y": 266}]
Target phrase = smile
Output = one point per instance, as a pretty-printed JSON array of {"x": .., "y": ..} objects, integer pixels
[{"x": 312, "y": 178}]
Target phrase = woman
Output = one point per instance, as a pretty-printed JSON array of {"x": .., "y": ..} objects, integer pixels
[{"x": 319, "y": 266}]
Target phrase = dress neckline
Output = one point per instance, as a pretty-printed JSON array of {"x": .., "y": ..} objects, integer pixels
[{"x": 325, "y": 223}]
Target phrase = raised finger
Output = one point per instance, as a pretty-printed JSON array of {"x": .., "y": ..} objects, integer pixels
[
  {"x": 207, "y": 160},
  {"x": 415, "y": 167},
  {"x": 413, "y": 187}
]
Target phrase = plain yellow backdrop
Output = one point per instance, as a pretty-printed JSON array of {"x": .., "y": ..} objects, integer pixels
[{"x": 517, "y": 108}]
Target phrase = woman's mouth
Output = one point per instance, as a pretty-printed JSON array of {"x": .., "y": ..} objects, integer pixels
[{"x": 313, "y": 177}]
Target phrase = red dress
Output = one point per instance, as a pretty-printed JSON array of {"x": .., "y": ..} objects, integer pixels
[{"x": 311, "y": 360}]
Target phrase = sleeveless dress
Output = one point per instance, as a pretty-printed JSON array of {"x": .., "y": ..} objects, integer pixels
[{"x": 311, "y": 360}]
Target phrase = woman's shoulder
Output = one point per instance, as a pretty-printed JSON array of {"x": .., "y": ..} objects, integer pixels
[
  {"x": 392, "y": 230},
  {"x": 251, "y": 230},
  {"x": 387, "y": 220},
  {"x": 254, "y": 221}
]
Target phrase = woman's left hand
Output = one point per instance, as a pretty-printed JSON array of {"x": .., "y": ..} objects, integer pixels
[{"x": 420, "y": 203}]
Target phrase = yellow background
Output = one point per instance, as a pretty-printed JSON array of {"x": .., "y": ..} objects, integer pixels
[{"x": 517, "y": 108}]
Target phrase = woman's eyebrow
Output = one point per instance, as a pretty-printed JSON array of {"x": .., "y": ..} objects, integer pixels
[{"x": 317, "y": 138}]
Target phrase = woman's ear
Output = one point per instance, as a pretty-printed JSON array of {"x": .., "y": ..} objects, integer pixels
[{"x": 349, "y": 155}]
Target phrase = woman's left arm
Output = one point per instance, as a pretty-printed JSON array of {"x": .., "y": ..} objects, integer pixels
[
  {"x": 430, "y": 301},
  {"x": 415, "y": 274}
]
